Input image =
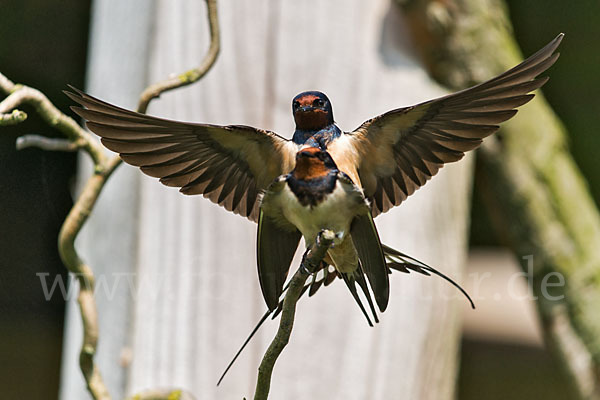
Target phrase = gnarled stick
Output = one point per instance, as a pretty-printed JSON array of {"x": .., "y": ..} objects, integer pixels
[
  {"x": 191, "y": 76},
  {"x": 20, "y": 94},
  {"x": 311, "y": 260},
  {"x": 46, "y": 143},
  {"x": 104, "y": 166}
]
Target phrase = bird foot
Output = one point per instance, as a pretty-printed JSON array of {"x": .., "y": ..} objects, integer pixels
[{"x": 306, "y": 266}]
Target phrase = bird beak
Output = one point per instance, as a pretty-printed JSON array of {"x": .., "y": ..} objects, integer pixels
[{"x": 305, "y": 108}]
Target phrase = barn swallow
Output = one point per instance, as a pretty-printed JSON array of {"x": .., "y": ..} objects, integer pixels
[
  {"x": 313, "y": 115},
  {"x": 385, "y": 159},
  {"x": 316, "y": 195}
]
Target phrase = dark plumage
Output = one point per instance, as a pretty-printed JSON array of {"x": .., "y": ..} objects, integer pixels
[
  {"x": 313, "y": 115},
  {"x": 314, "y": 177},
  {"x": 312, "y": 192}
]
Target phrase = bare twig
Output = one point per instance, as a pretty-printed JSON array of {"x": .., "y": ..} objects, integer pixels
[
  {"x": 286, "y": 323},
  {"x": 45, "y": 143},
  {"x": 87, "y": 304},
  {"x": 192, "y": 75},
  {"x": 20, "y": 94},
  {"x": 79, "y": 138},
  {"x": 13, "y": 118}
]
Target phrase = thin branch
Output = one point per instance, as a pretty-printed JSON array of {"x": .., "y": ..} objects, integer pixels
[
  {"x": 79, "y": 138},
  {"x": 85, "y": 204},
  {"x": 87, "y": 304},
  {"x": 46, "y": 143},
  {"x": 193, "y": 75},
  {"x": 309, "y": 264},
  {"x": 13, "y": 118},
  {"x": 20, "y": 94}
]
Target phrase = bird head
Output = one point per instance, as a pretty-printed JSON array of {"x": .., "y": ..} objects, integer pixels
[
  {"x": 312, "y": 111},
  {"x": 312, "y": 162}
]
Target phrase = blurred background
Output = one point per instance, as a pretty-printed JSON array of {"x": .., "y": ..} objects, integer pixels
[{"x": 43, "y": 44}]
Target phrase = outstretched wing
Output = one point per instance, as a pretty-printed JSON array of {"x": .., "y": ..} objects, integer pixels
[
  {"x": 397, "y": 152},
  {"x": 229, "y": 165}
]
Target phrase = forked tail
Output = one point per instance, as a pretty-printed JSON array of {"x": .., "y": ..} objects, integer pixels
[{"x": 395, "y": 261}]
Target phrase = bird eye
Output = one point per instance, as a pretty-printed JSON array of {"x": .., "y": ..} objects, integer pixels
[{"x": 318, "y": 103}]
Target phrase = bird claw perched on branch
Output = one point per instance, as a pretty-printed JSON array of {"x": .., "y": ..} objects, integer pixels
[{"x": 324, "y": 240}]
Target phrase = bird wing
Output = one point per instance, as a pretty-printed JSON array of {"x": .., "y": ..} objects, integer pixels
[
  {"x": 396, "y": 153},
  {"x": 275, "y": 250},
  {"x": 229, "y": 165}
]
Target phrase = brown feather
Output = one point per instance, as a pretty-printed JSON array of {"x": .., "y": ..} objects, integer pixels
[
  {"x": 411, "y": 144},
  {"x": 229, "y": 165}
]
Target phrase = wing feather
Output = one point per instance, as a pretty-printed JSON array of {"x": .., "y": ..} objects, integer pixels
[
  {"x": 399, "y": 151},
  {"x": 229, "y": 165}
]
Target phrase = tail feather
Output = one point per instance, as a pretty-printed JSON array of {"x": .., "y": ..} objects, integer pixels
[
  {"x": 250, "y": 336},
  {"x": 372, "y": 260},
  {"x": 330, "y": 277},
  {"x": 362, "y": 282},
  {"x": 404, "y": 263},
  {"x": 395, "y": 260},
  {"x": 315, "y": 285},
  {"x": 351, "y": 281}
]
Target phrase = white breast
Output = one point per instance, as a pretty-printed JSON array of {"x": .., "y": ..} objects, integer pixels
[{"x": 334, "y": 213}]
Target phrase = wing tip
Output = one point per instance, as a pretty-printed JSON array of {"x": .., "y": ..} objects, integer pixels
[
  {"x": 559, "y": 37},
  {"x": 74, "y": 94},
  {"x": 383, "y": 299},
  {"x": 108, "y": 143},
  {"x": 78, "y": 110}
]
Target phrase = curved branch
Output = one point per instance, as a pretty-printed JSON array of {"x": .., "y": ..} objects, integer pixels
[
  {"x": 46, "y": 143},
  {"x": 87, "y": 304},
  {"x": 13, "y": 118},
  {"x": 311, "y": 260},
  {"x": 20, "y": 94},
  {"x": 193, "y": 75},
  {"x": 85, "y": 204},
  {"x": 79, "y": 138}
]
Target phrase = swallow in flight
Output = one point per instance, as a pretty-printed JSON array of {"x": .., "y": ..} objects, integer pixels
[{"x": 322, "y": 178}]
